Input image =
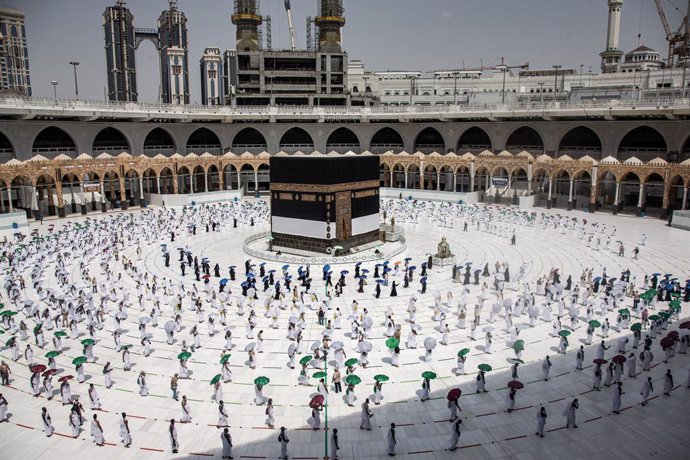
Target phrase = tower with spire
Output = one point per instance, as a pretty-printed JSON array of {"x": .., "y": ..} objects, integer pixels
[{"x": 612, "y": 55}]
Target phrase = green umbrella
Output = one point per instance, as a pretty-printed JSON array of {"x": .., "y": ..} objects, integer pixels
[
  {"x": 381, "y": 378},
  {"x": 464, "y": 352},
  {"x": 8, "y": 313},
  {"x": 2, "y": 331},
  {"x": 392, "y": 343},
  {"x": 351, "y": 362},
  {"x": 594, "y": 323},
  {"x": 305, "y": 360},
  {"x": 52, "y": 354},
  {"x": 675, "y": 294},
  {"x": 429, "y": 375},
  {"x": 2, "y": 305},
  {"x": 674, "y": 303},
  {"x": 664, "y": 314},
  {"x": 261, "y": 381},
  {"x": 60, "y": 334},
  {"x": 352, "y": 379},
  {"x": 676, "y": 307},
  {"x": 79, "y": 360},
  {"x": 636, "y": 327},
  {"x": 564, "y": 333},
  {"x": 86, "y": 342},
  {"x": 624, "y": 312},
  {"x": 515, "y": 360},
  {"x": 519, "y": 345},
  {"x": 654, "y": 317},
  {"x": 37, "y": 328},
  {"x": 215, "y": 379},
  {"x": 125, "y": 347},
  {"x": 185, "y": 355},
  {"x": 224, "y": 359},
  {"x": 9, "y": 341},
  {"x": 484, "y": 367},
  {"x": 319, "y": 375}
]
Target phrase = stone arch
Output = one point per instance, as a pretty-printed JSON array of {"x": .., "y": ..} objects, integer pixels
[
  {"x": 110, "y": 140},
  {"x": 399, "y": 175},
  {"x": 46, "y": 194},
  {"x": 684, "y": 153},
  {"x": 580, "y": 141},
  {"x": 111, "y": 188},
  {"x": 429, "y": 140},
  {"x": 413, "y": 176},
  {"x": 132, "y": 187},
  {"x": 463, "y": 178},
  {"x": 296, "y": 139},
  {"x": 53, "y": 141},
  {"x": 519, "y": 180},
  {"x": 263, "y": 175},
  {"x": 343, "y": 140},
  {"x": 7, "y": 151},
  {"x": 249, "y": 140},
  {"x": 430, "y": 177},
  {"x": 203, "y": 140},
  {"x": 474, "y": 140},
  {"x": 643, "y": 142},
  {"x": 159, "y": 141},
  {"x": 166, "y": 180},
  {"x": 231, "y": 177},
  {"x": 22, "y": 193},
  {"x": 481, "y": 178},
  {"x": 150, "y": 181},
  {"x": 446, "y": 178},
  {"x": 213, "y": 179},
  {"x": 677, "y": 192},
  {"x": 385, "y": 175},
  {"x": 198, "y": 179},
  {"x": 184, "y": 180},
  {"x": 91, "y": 183},
  {"x": 386, "y": 139},
  {"x": 525, "y": 138}
]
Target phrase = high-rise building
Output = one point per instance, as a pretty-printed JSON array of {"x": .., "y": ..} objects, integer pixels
[
  {"x": 172, "y": 42},
  {"x": 212, "y": 77},
  {"x": 118, "y": 24},
  {"x": 330, "y": 21},
  {"x": 14, "y": 54},
  {"x": 247, "y": 19}
]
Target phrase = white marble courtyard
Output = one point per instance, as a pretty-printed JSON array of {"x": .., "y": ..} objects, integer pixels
[{"x": 658, "y": 429}]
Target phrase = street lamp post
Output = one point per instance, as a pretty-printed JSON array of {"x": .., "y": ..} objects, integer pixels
[
  {"x": 503, "y": 69},
  {"x": 581, "y": 67},
  {"x": 555, "y": 82},
  {"x": 541, "y": 92},
  {"x": 455, "y": 88},
  {"x": 74, "y": 64},
  {"x": 54, "y": 83}
]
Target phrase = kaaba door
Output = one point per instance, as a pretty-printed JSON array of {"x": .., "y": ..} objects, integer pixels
[{"x": 343, "y": 206}]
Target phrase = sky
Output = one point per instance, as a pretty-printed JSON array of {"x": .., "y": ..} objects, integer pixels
[{"x": 422, "y": 35}]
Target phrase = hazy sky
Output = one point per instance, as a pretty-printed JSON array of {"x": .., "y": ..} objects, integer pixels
[{"x": 384, "y": 34}]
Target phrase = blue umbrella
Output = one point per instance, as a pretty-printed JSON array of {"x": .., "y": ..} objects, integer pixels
[
  {"x": 378, "y": 265},
  {"x": 344, "y": 272},
  {"x": 288, "y": 277},
  {"x": 271, "y": 271},
  {"x": 285, "y": 267},
  {"x": 232, "y": 266},
  {"x": 244, "y": 284},
  {"x": 224, "y": 281},
  {"x": 412, "y": 268},
  {"x": 422, "y": 279},
  {"x": 423, "y": 264},
  {"x": 204, "y": 258},
  {"x": 386, "y": 263},
  {"x": 358, "y": 264},
  {"x": 597, "y": 279},
  {"x": 326, "y": 268},
  {"x": 380, "y": 281},
  {"x": 668, "y": 275},
  {"x": 163, "y": 245},
  {"x": 656, "y": 274},
  {"x": 262, "y": 264},
  {"x": 364, "y": 270},
  {"x": 387, "y": 270},
  {"x": 265, "y": 278},
  {"x": 407, "y": 259},
  {"x": 363, "y": 277}
]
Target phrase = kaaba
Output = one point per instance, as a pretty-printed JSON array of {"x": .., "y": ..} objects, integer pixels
[{"x": 324, "y": 204}]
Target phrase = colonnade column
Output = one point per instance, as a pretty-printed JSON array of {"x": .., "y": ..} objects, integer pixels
[
  {"x": 438, "y": 181},
  {"x": 666, "y": 198},
  {"x": 123, "y": 193},
  {"x": 406, "y": 172},
  {"x": 570, "y": 195},
  {"x": 594, "y": 192},
  {"x": 616, "y": 206},
  {"x": 640, "y": 200},
  {"x": 421, "y": 175},
  {"x": 529, "y": 177},
  {"x": 472, "y": 182},
  {"x": 142, "y": 201},
  {"x": 34, "y": 202},
  {"x": 83, "y": 199},
  {"x": 391, "y": 179},
  {"x": 104, "y": 207},
  {"x": 206, "y": 182},
  {"x": 455, "y": 181},
  {"x": 685, "y": 198},
  {"x": 548, "y": 198},
  {"x": 256, "y": 181},
  {"x": 9, "y": 196}
]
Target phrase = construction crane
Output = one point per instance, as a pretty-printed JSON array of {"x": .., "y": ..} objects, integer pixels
[
  {"x": 678, "y": 40},
  {"x": 292, "y": 29}
]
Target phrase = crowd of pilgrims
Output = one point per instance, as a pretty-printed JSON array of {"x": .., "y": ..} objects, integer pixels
[{"x": 87, "y": 282}]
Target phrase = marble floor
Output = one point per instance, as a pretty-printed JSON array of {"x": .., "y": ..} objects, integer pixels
[{"x": 656, "y": 430}]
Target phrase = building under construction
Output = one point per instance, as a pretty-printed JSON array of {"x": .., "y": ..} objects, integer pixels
[{"x": 256, "y": 74}]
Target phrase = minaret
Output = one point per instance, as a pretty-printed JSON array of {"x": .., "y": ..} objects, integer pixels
[
  {"x": 329, "y": 22},
  {"x": 247, "y": 19},
  {"x": 172, "y": 39},
  {"x": 612, "y": 55}
]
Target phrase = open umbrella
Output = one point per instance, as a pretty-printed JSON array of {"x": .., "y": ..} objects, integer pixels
[
  {"x": 319, "y": 375},
  {"x": 515, "y": 360},
  {"x": 305, "y": 360},
  {"x": 316, "y": 401},
  {"x": 224, "y": 359},
  {"x": 515, "y": 384},
  {"x": 684, "y": 325},
  {"x": 38, "y": 368},
  {"x": 8, "y": 313},
  {"x": 654, "y": 317},
  {"x": 636, "y": 327},
  {"x": 484, "y": 367},
  {"x": 352, "y": 379},
  {"x": 351, "y": 362},
  {"x": 250, "y": 346},
  {"x": 316, "y": 344},
  {"x": 666, "y": 342},
  {"x": 52, "y": 354},
  {"x": 144, "y": 320},
  {"x": 454, "y": 394},
  {"x": 79, "y": 360},
  {"x": 599, "y": 361},
  {"x": 185, "y": 355},
  {"x": 216, "y": 379},
  {"x": 169, "y": 326},
  {"x": 392, "y": 342},
  {"x": 381, "y": 378},
  {"x": 594, "y": 323},
  {"x": 619, "y": 359},
  {"x": 624, "y": 312},
  {"x": 126, "y": 346},
  {"x": 337, "y": 345},
  {"x": 64, "y": 378},
  {"x": 261, "y": 380},
  {"x": 429, "y": 343},
  {"x": 673, "y": 335},
  {"x": 365, "y": 346},
  {"x": 60, "y": 334},
  {"x": 86, "y": 342},
  {"x": 49, "y": 372},
  {"x": 519, "y": 345},
  {"x": 564, "y": 333},
  {"x": 429, "y": 375},
  {"x": 463, "y": 352},
  {"x": 488, "y": 328}
]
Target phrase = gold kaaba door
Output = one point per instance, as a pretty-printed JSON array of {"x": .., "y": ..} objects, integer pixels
[{"x": 343, "y": 218}]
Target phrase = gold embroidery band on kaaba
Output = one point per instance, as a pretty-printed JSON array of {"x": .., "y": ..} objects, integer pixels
[{"x": 322, "y": 188}]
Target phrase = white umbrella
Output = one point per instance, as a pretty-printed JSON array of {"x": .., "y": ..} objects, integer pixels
[
  {"x": 496, "y": 307},
  {"x": 507, "y": 302},
  {"x": 229, "y": 328},
  {"x": 144, "y": 320},
  {"x": 315, "y": 345},
  {"x": 170, "y": 326},
  {"x": 338, "y": 345},
  {"x": 250, "y": 346},
  {"x": 488, "y": 328},
  {"x": 500, "y": 277},
  {"x": 365, "y": 346},
  {"x": 416, "y": 327},
  {"x": 429, "y": 343},
  {"x": 292, "y": 348},
  {"x": 368, "y": 322}
]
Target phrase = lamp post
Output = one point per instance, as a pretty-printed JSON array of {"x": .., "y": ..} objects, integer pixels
[
  {"x": 412, "y": 85},
  {"x": 555, "y": 82},
  {"x": 54, "y": 83},
  {"x": 581, "y": 67},
  {"x": 455, "y": 88},
  {"x": 74, "y": 64},
  {"x": 541, "y": 92}
]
